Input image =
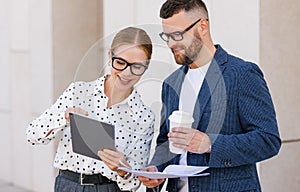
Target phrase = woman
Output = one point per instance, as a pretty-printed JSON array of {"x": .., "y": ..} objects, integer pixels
[{"x": 112, "y": 99}]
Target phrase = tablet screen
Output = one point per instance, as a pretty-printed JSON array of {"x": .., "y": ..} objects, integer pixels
[{"x": 90, "y": 135}]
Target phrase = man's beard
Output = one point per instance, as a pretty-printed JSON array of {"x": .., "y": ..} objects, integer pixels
[{"x": 191, "y": 53}]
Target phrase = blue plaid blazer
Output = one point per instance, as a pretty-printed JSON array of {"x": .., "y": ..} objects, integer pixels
[{"x": 235, "y": 109}]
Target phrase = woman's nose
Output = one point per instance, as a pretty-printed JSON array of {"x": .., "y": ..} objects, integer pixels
[{"x": 127, "y": 71}]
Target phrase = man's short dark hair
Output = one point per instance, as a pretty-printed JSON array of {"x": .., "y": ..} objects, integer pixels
[{"x": 171, "y": 7}]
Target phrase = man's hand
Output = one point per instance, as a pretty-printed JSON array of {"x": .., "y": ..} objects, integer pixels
[
  {"x": 190, "y": 139},
  {"x": 150, "y": 183},
  {"x": 74, "y": 110}
]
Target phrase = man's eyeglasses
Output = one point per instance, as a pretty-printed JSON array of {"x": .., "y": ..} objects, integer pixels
[
  {"x": 121, "y": 64},
  {"x": 177, "y": 35}
]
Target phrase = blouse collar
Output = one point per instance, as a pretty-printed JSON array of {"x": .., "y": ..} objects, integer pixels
[{"x": 133, "y": 100}]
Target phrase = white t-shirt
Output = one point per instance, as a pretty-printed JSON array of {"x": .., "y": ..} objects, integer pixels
[{"x": 188, "y": 97}]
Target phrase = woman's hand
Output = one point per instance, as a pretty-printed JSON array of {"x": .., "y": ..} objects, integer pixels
[
  {"x": 114, "y": 159},
  {"x": 74, "y": 110}
]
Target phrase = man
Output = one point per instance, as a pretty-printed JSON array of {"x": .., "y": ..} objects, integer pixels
[{"x": 235, "y": 123}]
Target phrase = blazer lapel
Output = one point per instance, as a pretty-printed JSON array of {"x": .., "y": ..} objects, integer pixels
[
  {"x": 177, "y": 87},
  {"x": 213, "y": 81}
]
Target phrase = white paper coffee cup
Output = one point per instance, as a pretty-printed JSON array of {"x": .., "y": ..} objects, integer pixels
[{"x": 179, "y": 119}]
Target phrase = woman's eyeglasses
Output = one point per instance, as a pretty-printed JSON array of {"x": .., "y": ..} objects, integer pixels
[{"x": 121, "y": 64}]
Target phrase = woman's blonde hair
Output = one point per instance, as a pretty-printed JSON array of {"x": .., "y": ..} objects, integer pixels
[{"x": 133, "y": 36}]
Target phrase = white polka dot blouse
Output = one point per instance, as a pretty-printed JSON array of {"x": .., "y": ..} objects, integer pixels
[{"x": 133, "y": 121}]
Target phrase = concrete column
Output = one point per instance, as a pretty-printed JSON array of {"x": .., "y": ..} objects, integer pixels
[
  {"x": 41, "y": 84},
  {"x": 77, "y": 25},
  {"x": 21, "y": 158},
  {"x": 235, "y": 25},
  {"x": 30, "y": 79},
  {"x": 41, "y": 46},
  {"x": 279, "y": 56},
  {"x": 20, "y": 90},
  {"x": 5, "y": 94}
]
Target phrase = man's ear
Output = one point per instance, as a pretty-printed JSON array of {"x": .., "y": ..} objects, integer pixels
[{"x": 204, "y": 27}]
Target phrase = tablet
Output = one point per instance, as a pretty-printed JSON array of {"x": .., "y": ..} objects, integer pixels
[{"x": 90, "y": 135}]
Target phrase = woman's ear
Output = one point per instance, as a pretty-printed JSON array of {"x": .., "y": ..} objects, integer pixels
[{"x": 109, "y": 53}]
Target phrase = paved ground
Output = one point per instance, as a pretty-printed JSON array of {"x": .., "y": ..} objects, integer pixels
[{"x": 6, "y": 187}]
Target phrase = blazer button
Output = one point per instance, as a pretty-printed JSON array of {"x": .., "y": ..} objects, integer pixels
[{"x": 228, "y": 163}]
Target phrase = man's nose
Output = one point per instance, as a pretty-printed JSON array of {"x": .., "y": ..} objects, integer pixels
[{"x": 171, "y": 43}]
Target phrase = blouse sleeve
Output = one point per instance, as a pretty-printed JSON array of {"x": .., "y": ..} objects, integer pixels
[{"x": 52, "y": 121}]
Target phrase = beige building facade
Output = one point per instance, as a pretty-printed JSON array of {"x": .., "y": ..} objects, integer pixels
[{"x": 47, "y": 44}]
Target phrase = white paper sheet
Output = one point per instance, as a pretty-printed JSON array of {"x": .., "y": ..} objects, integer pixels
[{"x": 171, "y": 171}]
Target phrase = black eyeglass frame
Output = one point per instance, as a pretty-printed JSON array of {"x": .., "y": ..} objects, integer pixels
[
  {"x": 128, "y": 64},
  {"x": 168, "y": 35}
]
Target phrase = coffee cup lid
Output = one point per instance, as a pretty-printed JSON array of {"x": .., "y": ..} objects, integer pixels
[{"x": 181, "y": 117}]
